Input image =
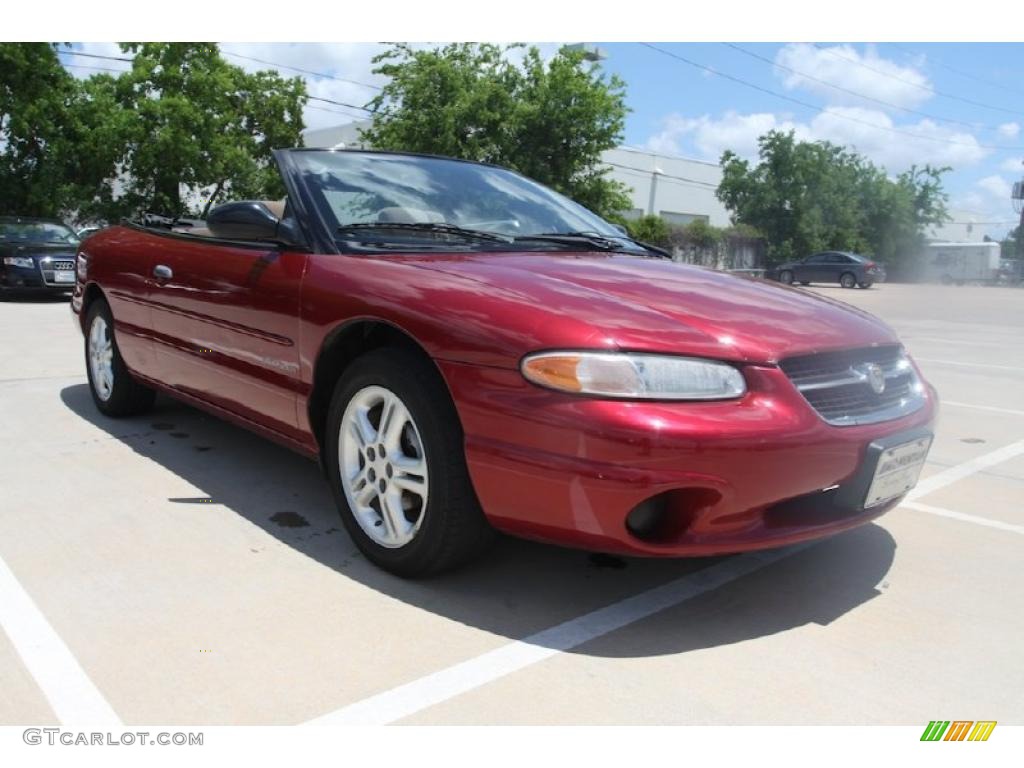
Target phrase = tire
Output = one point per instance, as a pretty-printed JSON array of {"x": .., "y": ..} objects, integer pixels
[
  {"x": 947, "y": 280},
  {"x": 805, "y": 282},
  {"x": 114, "y": 391},
  {"x": 786, "y": 276},
  {"x": 848, "y": 280},
  {"x": 415, "y": 521},
  {"x": 865, "y": 285}
]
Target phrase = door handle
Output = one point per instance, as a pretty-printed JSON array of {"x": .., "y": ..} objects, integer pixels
[{"x": 162, "y": 272}]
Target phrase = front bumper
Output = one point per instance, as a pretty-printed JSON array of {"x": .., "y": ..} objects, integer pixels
[
  {"x": 28, "y": 279},
  {"x": 758, "y": 472}
]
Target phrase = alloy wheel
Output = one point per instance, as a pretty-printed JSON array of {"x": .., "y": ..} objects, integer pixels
[
  {"x": 101, "y": 358},
  {"x": 383, "y": 466}
]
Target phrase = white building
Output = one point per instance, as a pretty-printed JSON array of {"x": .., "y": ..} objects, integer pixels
[{"x": 678, "y": 189}]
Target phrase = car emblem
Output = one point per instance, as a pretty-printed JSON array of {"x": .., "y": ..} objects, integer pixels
[{"x": 875, "y": 377}]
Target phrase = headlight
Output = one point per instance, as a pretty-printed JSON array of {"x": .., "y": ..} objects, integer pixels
[
  {"x": 648, "y": 377},
  {"x": 19, "y": 261},
  {"x": 82, "y": 266}
]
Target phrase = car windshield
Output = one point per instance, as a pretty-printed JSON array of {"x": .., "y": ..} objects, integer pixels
[
  {"x": 36, "y": 232},
  {"x": 406, "y": 194}
]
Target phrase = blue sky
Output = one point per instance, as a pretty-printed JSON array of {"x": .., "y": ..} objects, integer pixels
[
  {"x": 957, "y": 104},
  {"x": 885, "y": 100}
]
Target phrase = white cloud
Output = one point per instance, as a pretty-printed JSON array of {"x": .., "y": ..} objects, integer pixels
[
  {"x": 712, "y": 136},
  {"x": 1013, "y": 165},
  {"x": 864, "y": 73},
  {"x": 995, "y": 186},
  {"x": 1009, "y": 130},
  {"x": 869, "y": 132}
]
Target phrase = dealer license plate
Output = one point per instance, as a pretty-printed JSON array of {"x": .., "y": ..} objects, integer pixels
[
  {"x": 897, "y": 471},
  {"x": 64, "y": 276}
]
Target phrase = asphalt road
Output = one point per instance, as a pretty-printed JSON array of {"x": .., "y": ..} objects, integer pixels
[{"x": 174, "y": 569}]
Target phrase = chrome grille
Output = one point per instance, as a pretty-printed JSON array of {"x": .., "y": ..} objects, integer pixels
[
  {"x": 48, "y": 266},
  {"x": 839, "y": 384}
]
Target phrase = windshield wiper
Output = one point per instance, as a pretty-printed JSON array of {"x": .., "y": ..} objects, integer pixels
[
  {"x": 424, "y": 226},
  {"x": 593, "y": 240}
]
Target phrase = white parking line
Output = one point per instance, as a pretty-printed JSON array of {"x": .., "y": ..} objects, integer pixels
[
  {"x": 957, "y": 472},
  {"x": 71, "y": 694},
  {"x": 992, "y": 408},
  {"x": 405, "y": 700},
  {"x": 943, "y": 512},
  {"x": 968, "y": 365},
  {"x": 415, "y": 696}
]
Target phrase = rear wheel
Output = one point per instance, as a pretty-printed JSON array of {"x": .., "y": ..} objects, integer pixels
[
  {"x": 848, "y": 280},
  {"x": 786, "y": 276},
  {"x": 396, "y": 464},
  {"x": 113, "y": 389}
]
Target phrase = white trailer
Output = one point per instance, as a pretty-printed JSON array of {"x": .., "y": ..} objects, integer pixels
[{"x": 959, "y": 263}]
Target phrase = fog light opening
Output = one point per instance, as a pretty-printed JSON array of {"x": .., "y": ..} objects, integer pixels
[{"x": 665, "y": 517}]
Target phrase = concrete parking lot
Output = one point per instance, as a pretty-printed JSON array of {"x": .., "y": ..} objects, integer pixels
[{"x": 175, "y": 569}]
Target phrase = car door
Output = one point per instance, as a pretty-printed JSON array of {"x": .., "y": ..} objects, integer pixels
[
  {"x": 811, "y": 270},
  {"x": 839, "y": 263},
  {"x": 226, "y": 317}
]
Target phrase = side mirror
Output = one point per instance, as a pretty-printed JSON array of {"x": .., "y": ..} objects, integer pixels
[{"x": 248, "y": 220}]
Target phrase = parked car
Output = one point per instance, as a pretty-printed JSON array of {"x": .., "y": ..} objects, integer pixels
[
  {"x": 84, "y": 232},
  {"x": 848, "y": 269},
  {"x": 36, "y": 255},
  {"x": 465, "y": 350}
]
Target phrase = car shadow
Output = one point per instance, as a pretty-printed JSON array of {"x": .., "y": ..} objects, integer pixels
[{"x": 520, "y": 587}]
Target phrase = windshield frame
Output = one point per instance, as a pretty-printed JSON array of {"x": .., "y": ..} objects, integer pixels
[{"x": 321, "y": 222}]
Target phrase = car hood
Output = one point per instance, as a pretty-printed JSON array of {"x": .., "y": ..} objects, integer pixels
[
  {"x": 638, "y": 303},
  {"x": 38, "y": 249}
]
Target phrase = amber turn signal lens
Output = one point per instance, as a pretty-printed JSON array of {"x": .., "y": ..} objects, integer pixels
[{"x": 555, "y": 372}]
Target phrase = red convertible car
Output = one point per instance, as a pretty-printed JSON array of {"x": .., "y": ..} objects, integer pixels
[{"x": 465, "y": 350}]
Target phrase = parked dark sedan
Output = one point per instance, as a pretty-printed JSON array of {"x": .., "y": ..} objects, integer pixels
[
  {"x": 847, "y": 269},
  {"x": 36, "y": 255}
]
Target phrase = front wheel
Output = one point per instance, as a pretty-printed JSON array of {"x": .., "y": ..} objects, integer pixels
[
  {"x": 396, "y": 464},
  {"x": 113, "y": 389},
  {"x": 848, "y": 280},
  {"x": 786, "y": 276}
]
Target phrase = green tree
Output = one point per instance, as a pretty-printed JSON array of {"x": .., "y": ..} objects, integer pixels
[
  {"x": 197, "y": 120},
  {"x": 41, "y": 169},
  {"x": 811, "y": 196},
  {"x": 549, "y": 120}
]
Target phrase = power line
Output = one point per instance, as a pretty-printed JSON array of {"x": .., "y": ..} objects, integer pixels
[
  {"x": 333, "y": 111},
  {"x": 820, "y": 110},
  {"x": 692, "y": 182},
  {"x": 93, "y": 66},
  {"x": 338, "y": 103},
  {"x": 247, "y": 58},
  {"x": 857, "y": 93},
  {"x": 303, "y": 71},
  {"x": 960, "y": 72},
  {"x": 67, "y": 52},
  {"x": 925, "y": 88}
]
